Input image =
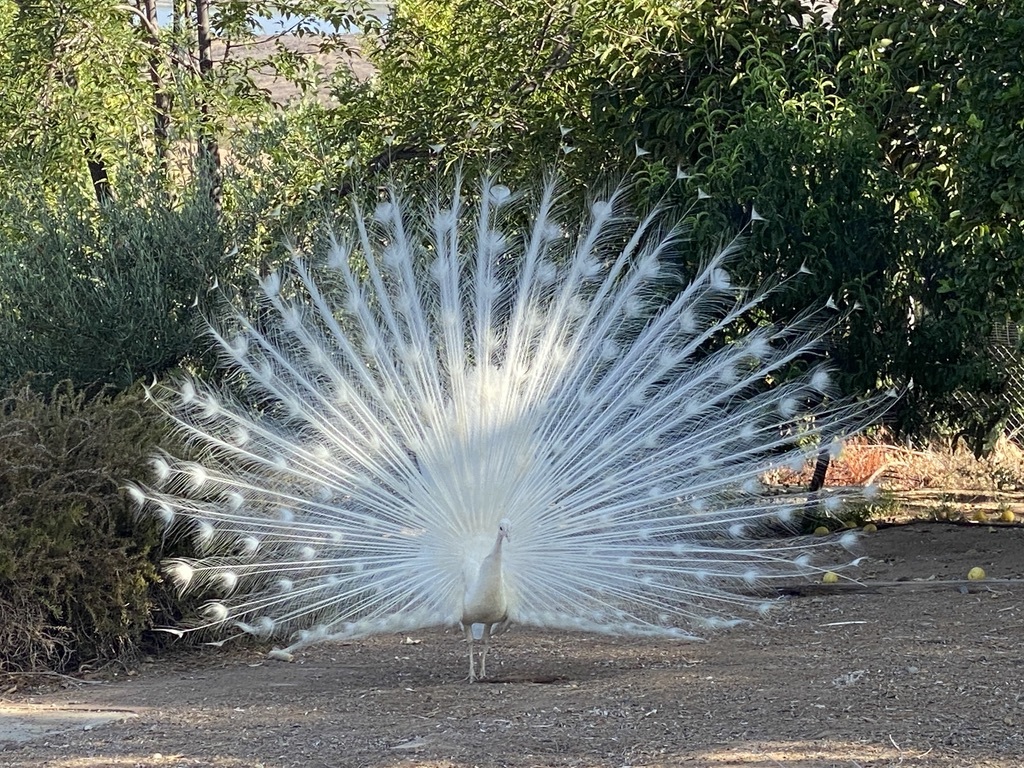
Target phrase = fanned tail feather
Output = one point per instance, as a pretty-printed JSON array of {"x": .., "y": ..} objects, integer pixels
[{"x": 444, "y": 372}]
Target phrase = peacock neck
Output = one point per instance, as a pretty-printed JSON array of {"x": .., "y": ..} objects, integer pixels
[{"x": 484, "y": 600}]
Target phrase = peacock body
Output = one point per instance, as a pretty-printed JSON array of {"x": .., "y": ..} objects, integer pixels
[{"x": 482, "y": 413}]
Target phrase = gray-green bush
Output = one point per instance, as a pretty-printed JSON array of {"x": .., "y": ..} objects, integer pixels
[{"x": 105, "y": 294}]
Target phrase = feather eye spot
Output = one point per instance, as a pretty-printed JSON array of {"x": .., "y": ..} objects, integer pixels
[
  {"x": 756, "y": 347},
  {"x": 445, "y": 220},
  {"x": 264, "y": 626},
  {"x": 719, "y": 279},
  {"x": 499, "y": 194},
  {"x": 495, "y": 244},
  {"x": 166, "y": 515},
  {"x": 181, "y": 573},
  {"x": 788, "y": 407},
  {"x": 271, "y": 285},
  {"x": 821, "y": 381},
  {"x": 216, "y": 613},
  {"x": 633, "y": 307},
  {"x": 187, "y": 393},
  {"x": 590, "y": 268},
  {"x": 239, "y": 436},
  {"x": 796, "y": 463},
  {"x": 609, "y": 350},
  {"x": 228, "y": 581},
  {"x": 204, "y": 533},
  {"x": 384, "y": 212},
  {"x": 250, "y": 545},
  {"x": 137, "y": 495},
  {"x": 239, "y": 347},
  {"x": 161, "y": 469},
  {"x": 686, "y": 322},
  {"x": 547, "y": 273}
]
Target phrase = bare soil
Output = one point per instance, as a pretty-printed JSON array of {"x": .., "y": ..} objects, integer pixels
[
  {"x": 926, "y": 671},
  {"x": 281, "y": 91}
]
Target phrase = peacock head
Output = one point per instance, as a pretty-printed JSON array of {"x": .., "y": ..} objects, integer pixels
[{"x": 505, "y": 529}]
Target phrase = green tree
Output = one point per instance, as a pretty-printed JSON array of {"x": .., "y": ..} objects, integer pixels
[
  {"x": 113, "y": 131},
  {"x": 881, "y": 147},
  {"x": 948, "y": 96},
  {"x": 71, "y": 77}
]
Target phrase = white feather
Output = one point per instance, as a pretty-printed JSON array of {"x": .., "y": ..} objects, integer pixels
[{"x": 433, "y": 398}]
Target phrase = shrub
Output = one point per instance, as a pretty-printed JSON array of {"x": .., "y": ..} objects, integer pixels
[
  {"x": 78, "y": 578},
  {"x": 105, "y": 294}
]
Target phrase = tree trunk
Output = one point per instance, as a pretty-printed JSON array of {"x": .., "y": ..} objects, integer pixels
[
  {"x": 820, "y": 469},
  {"x": 209, "y": 151},
  {"x": 98, "y": 174},
  {"x": 161, "y": 99}
]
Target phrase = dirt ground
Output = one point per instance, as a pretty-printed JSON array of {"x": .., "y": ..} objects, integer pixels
[
  {"x": 921, "y": 672},
  {"x": 281, "y": 91}
]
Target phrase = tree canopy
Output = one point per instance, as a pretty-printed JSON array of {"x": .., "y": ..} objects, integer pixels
[{"x": 880, "y": 145}]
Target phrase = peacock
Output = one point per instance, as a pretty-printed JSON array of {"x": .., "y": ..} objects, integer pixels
[{"x": 485, "y": 408}]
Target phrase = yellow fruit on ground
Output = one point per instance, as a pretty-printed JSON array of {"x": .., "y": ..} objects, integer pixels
[
  {"x": 979, "y": 517},
  {"x": 821, "y": 530},
  {"x": 1007, "y": 516},
  {"x": 976, "y": 574},
  {"x": 870, "y": 528},
  {"x": 830, "y": 578}
]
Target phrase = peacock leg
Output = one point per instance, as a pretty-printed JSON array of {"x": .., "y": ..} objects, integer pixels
[
  {"x": 487, "y": 647},
  {"x": 468, "y": 629}
]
